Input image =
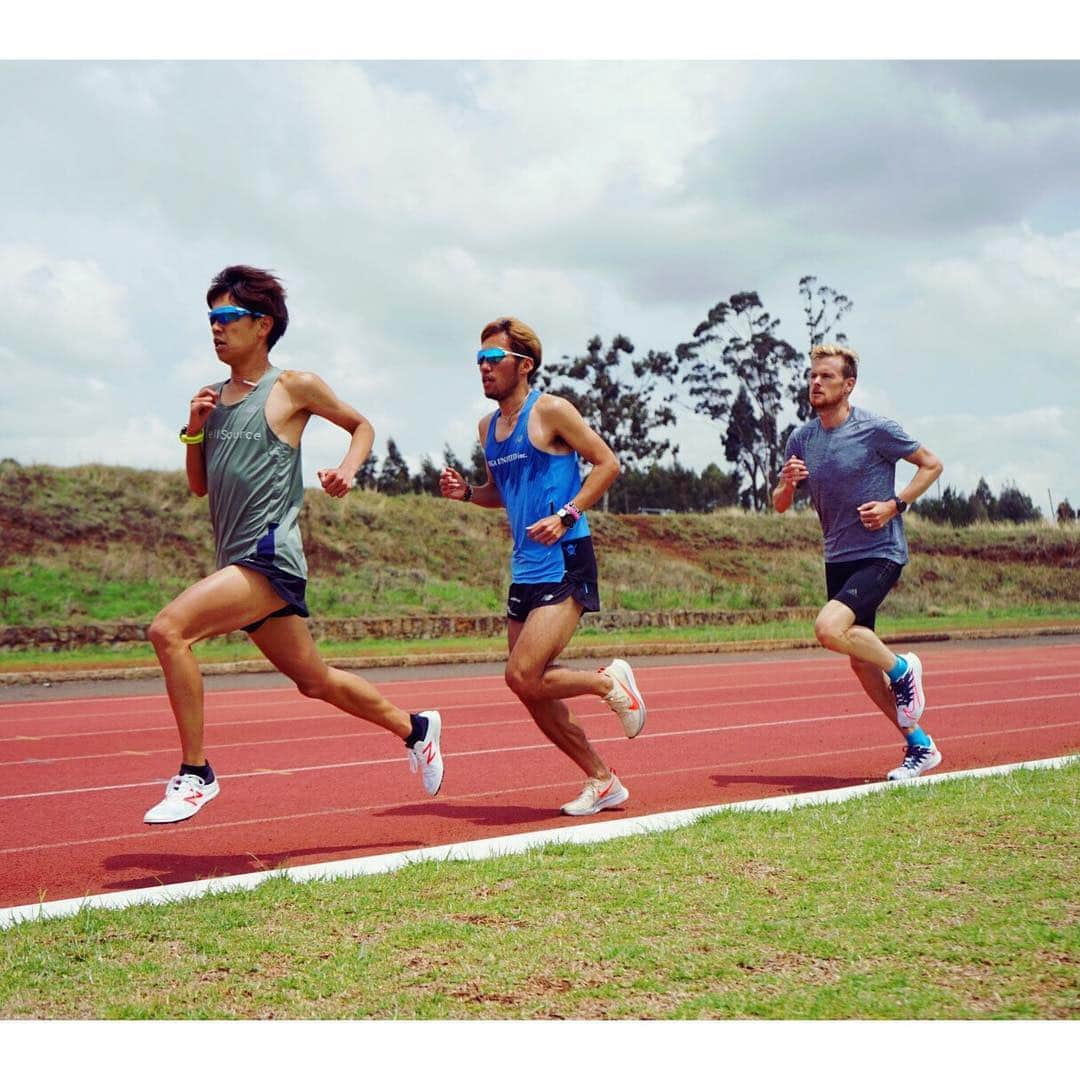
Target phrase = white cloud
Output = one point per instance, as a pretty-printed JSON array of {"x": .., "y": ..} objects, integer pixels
[
  {"x": 406, "y": 204},
  {"x": 62, "y": 314},
  {"x": 1025, "y": 449},
  {"x": 1018, "y": 291}
]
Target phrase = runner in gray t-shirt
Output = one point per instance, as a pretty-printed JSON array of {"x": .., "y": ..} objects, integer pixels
[
  {"x": 846, "y": 458},
  {"x": 243, "y": 449}
]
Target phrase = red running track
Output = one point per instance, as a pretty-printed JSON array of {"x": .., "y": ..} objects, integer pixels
[{"x": 303, "y": 783}]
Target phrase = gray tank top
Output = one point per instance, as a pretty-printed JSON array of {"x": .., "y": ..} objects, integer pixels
[{"x": 255, "y": 484}]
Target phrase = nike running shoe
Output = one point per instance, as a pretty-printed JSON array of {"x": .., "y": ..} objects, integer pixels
[
  {"x": 185, "y": 796},
  {"x": 624, "y": 699},
  {"x": 917, "y": 760},
  {"x": 597, "y": 795},
  {"x": 427, "y": 756},
  {"x": 908, "y": 692}
]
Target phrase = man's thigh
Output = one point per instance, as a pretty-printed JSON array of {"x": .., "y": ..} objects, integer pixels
[
  {"x": 546, "y": 631},
  {"x": 227, "y": 600},
  {"x": 288, "y": 645}
]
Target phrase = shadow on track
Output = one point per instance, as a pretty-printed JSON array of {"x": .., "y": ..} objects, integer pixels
[
  {"x": 789, "y": 784},
  {"x": 476, "y": 814},
  {"x": 169, "y": 869}
]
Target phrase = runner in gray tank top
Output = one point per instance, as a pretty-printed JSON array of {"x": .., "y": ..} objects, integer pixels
[{"x": 243, "y": 450}]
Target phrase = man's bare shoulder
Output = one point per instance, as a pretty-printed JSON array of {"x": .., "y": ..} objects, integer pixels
[
  {"x": 302, "y": 386},
  {"x": 291, "y": 379},
  {"x": 554, "y": 407}
]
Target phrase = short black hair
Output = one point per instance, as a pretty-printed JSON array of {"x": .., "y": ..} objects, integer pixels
[{"x": 257, "y": 290}]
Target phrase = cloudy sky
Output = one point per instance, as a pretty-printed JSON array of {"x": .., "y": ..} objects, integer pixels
[{"x": 405, "y": 203}]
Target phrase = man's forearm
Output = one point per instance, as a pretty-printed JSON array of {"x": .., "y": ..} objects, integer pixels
[
  {"x": 486, "y": 495},
  {"x": 195, "y": 466},
  {"x": 921, "y": 482},
  {"x": 595, "y": 484},
  {"x": 363, "y": 439},
  {"x": 782, "y": 498}
]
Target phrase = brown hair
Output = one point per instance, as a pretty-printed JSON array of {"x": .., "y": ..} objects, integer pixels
[
  {"x": 256, "y": 290},
  {"x": 849, "y": 356},
  {"x": 523, "y": 339}
]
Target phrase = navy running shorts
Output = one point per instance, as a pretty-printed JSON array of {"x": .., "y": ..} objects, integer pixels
[
  {"x": 862, "y": 585},
  {"x": 579, "y": 581},
  {"x": 288, "y": 586}
]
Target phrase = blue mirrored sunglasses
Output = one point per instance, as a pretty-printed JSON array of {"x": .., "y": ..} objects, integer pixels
[
  {"x": 230, "y": 314},
  {"x": 493, "y": 356}
]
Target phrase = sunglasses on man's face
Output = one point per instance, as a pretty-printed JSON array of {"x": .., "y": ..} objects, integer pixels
[
  {"x": 493, "y": 356},
  {"x": 230, "y": 314}
]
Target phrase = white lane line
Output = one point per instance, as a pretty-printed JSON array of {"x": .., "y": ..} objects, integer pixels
[
  {"x": 485, "y": 849},
  {"x": 681, "y": 733},
  {"x": 390, "y": 689},
  {"x": 150, "y": 832},
  {"x": 508, "y": 702}
]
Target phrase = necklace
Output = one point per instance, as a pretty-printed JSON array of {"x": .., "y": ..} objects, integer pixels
[
  {"x": 248, "y": 382},
  {"x": 509, "y": 420}
]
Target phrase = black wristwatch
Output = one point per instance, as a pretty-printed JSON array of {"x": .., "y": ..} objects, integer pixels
[
  {"x": 901, "y": 506},
  {"x": 566, "y": 518}
]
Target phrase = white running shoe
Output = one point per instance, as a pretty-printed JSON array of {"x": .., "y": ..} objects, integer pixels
[
  {"x": 185, "y": 796},
  {"x": 597, "y": 795},
  {"x": 624, "y": 699},
  {"x": 917, "y": 760},
  {"x": 908, "y": 692},
  {"x": 427, "y": 756}
]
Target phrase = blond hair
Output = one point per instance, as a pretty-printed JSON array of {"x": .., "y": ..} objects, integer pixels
[
  {"x": 849, "y": 356},
  {"x": 523, "y": 339}
]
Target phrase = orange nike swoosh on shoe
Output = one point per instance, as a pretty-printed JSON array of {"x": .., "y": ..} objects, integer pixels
[{"x": 634, "y": 703}]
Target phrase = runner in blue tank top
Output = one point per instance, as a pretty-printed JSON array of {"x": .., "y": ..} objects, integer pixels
[
  {"x": 847, "y": 458},
  {"x": 242, "y": 442},
  {"x": 533, "y": 444}
]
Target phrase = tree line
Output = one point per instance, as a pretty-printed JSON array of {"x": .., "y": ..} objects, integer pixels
[
  {"x": 955, "y": 508},
  {"x": 735, "y": 369}
]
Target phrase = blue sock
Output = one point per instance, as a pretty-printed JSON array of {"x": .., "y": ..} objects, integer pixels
[
  {"x": 898, "y": 670},
  {"x": 203, "y": 772},
  {"x": 917, "y": 737}
]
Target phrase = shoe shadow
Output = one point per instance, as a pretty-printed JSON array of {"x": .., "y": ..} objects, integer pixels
[
  {"x": 474, "y": 814},
  {"x": 791, "y": 784},
  {"x": 165, "y": 868}
]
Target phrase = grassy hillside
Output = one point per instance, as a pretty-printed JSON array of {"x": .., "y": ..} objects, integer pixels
[{"x": 106, "y": 543}]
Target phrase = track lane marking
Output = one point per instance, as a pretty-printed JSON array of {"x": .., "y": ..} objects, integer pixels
[
  {"x": 681, "y": 733},
  {"x": 372, "y": 808}
]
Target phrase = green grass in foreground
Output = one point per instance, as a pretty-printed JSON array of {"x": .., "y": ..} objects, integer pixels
[
  {"x": 222, "y": 650},
  {"x": 969, "y": 911}
]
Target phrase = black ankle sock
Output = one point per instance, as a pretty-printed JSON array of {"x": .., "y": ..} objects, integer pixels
[
  {"x": 204, "y": 772},
  {"x": 419, "y": 730}
]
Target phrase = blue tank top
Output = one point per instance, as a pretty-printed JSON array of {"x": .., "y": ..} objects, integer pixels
[{"x": 533, "y": 484}]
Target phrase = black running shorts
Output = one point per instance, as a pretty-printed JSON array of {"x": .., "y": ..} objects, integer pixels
[
  {"x": 579, "y": 581},
  {"x": 862, "y": 585}
]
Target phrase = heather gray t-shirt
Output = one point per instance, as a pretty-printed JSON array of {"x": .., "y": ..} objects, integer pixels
[
  {"x": 853, "y": 464},
  {"x": 255, "y": 483}
]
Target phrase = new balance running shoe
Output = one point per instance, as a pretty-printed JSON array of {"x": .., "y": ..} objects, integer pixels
[
  {"x": 624, "y": 699},
  {"x": 597, "y": 795},
  {"x": 908, "y": 692},
  {"x": 917, "y": 760},
  {"x": 426, "y": 755},
  {"x": 185, "y": 796}
]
